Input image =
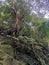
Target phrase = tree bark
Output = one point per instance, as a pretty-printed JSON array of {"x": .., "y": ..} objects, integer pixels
[{"x": 16, "y": 19}]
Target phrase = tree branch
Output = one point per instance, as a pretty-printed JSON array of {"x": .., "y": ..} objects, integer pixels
[{"x": 13, "y": 7}]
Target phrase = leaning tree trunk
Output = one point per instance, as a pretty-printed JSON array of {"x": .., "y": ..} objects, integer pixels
[
  {"x": 17, "y": 14},
  {"x": 15, "y": 26}
]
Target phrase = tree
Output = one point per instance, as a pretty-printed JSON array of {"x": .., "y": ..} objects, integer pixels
[
  {"x": 15, "y": 19},
  {"x": 15, "y": 12}
]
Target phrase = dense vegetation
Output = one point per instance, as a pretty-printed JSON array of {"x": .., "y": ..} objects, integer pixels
[{"x": 24, "y": 37}]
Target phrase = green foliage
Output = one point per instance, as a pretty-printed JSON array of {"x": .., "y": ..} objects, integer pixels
[
  {"x": 36, "y": 20},
  {"x": 43, "y": 62},
  {"x": 44, "y": 28},
  {"x": 38, "y": 33}
]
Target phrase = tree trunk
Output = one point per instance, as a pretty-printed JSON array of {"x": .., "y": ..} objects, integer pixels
[{"x": 15, "y": 25}]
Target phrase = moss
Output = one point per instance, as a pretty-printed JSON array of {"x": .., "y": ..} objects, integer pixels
[
  {"x": 6, "y": 55},
  {"x": 6, "y": 49}
]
